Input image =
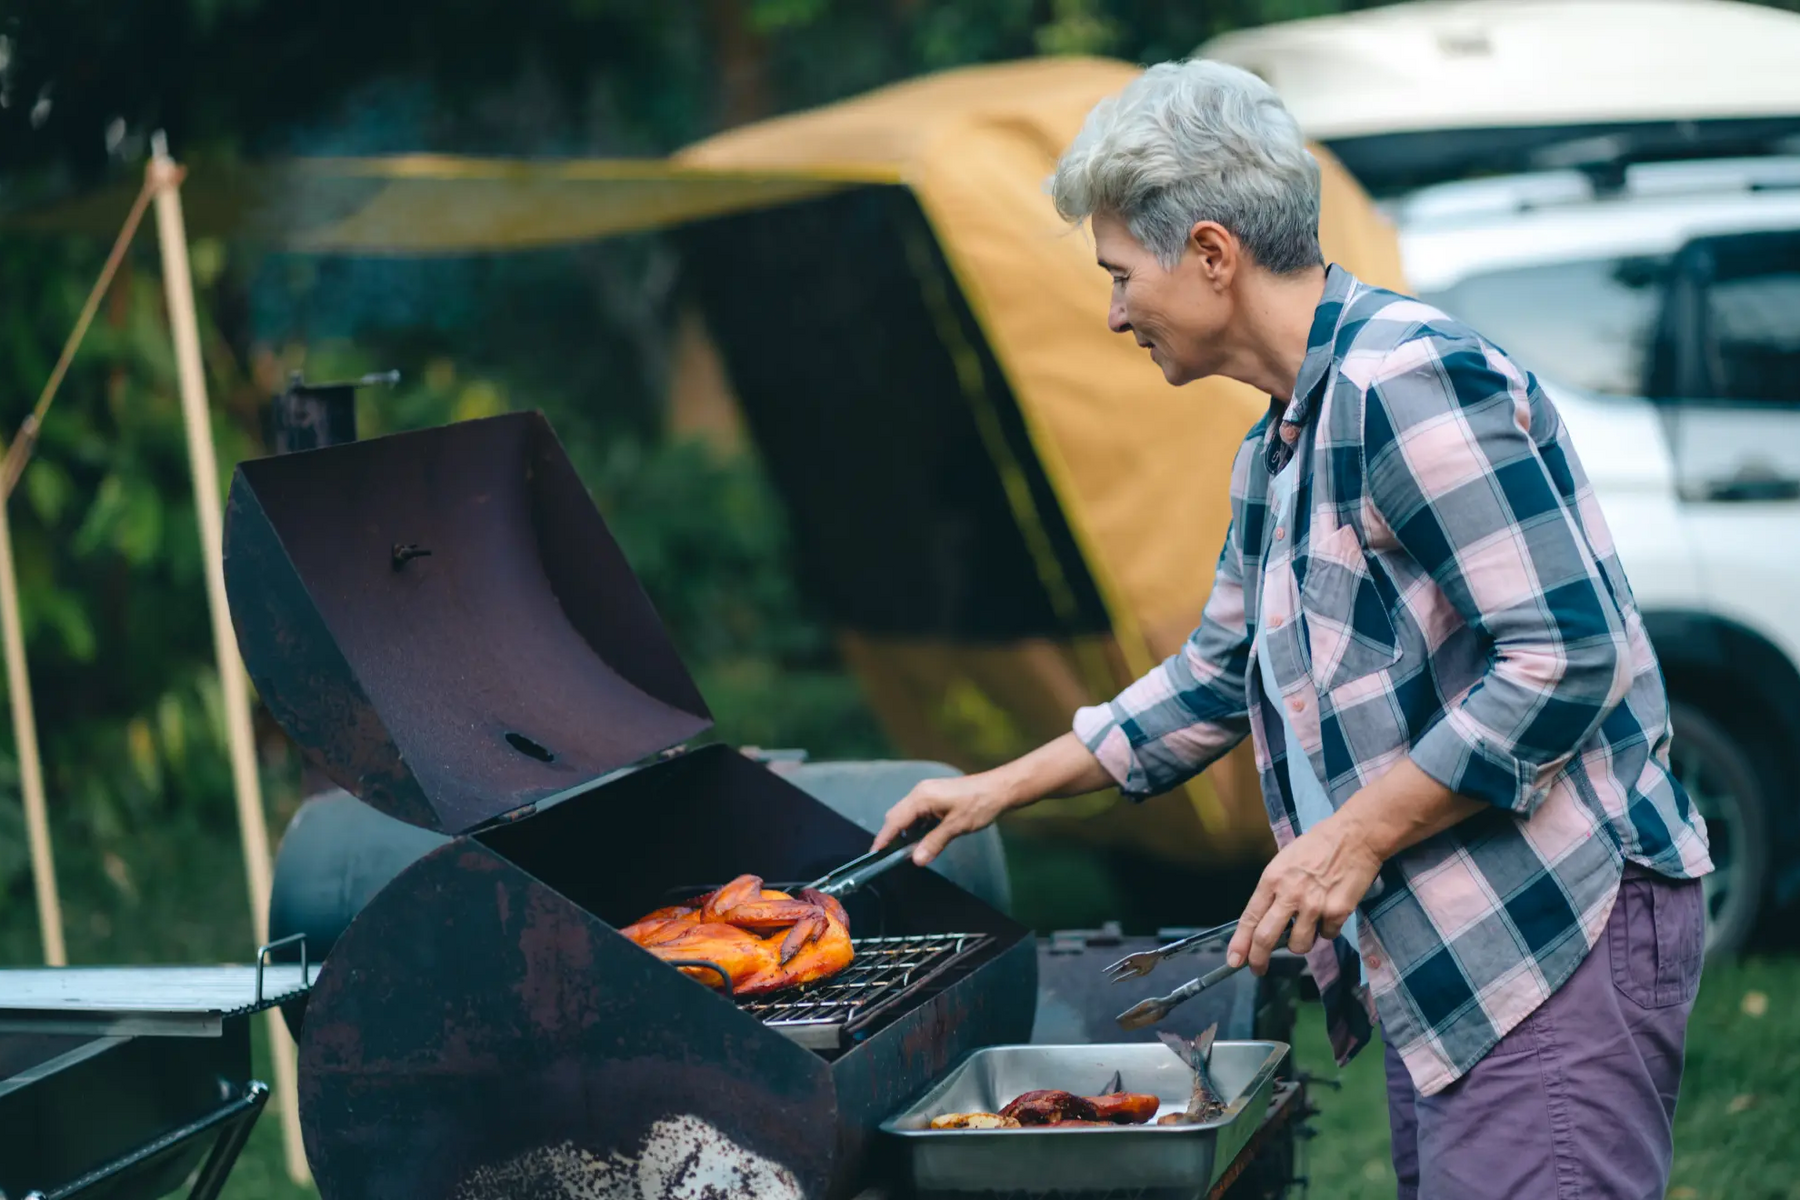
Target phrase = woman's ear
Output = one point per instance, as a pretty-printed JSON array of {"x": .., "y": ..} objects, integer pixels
[{"x": 1215, "y": 251}]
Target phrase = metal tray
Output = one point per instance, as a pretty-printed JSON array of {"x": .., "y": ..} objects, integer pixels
[{"x": 1085, "y": 1158}]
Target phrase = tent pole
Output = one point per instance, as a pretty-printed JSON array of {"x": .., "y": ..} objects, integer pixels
[
  {"x": 252, "y": 822},
  {"x": 31, "y": 771}
]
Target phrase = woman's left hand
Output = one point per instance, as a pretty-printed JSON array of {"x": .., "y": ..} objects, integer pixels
[{"x": 1316, "y": 880}]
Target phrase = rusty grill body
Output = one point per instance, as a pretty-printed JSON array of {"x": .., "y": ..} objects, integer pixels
[{"x": 443, "y": 623}]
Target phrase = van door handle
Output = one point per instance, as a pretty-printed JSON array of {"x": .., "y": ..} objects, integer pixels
[{"x": 1751, "y": 484}]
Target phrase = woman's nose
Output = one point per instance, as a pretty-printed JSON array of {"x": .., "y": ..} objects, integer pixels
[{"x": 1115, "y": 319}]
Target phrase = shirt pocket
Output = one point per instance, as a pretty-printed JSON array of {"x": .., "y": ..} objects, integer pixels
[{"x": 1349, "y": 629}]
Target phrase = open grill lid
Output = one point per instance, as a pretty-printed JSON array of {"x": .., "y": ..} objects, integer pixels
[{"x": 443, "y": 622}]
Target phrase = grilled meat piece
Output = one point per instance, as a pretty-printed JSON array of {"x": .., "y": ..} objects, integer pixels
[
  {"x": 974, "y": 1121},
  {"x": 738, "y": 952},
  {"x": 1050, "y": 1107},
  {"x": 1125, "y": 1108},
  {"x": 764, "y": 939},
  {"x": 1195, "y": 1115},
  {"x": 661, "y": 925}
]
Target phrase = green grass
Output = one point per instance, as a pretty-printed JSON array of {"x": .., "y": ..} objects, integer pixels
[{"x": 1735, "y": 1123}]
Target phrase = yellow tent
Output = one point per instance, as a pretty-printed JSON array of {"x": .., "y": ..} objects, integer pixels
[
  {"x": 1007, "y": 510},
  {"x": 1137, "y": 468}
]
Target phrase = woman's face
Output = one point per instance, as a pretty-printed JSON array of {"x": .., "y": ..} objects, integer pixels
[{"x": 1177, "y": 315}]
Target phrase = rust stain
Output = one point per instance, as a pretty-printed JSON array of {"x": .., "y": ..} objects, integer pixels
[{"x": 555, "y": 956}]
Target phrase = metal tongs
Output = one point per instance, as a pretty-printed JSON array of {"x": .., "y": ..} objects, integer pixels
[
  {"x": 1145, "y": 961},
  {"x": 1149, "y": 1012},
  {"x": 860, "y": 870}
]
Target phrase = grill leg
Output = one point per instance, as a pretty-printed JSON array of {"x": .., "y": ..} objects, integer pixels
[
  {"x": 211, "y": 1180},
  {"x": 234, "y": 1116}
]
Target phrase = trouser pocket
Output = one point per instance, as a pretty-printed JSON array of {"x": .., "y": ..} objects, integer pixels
[{"x": 1658, "y": 939}]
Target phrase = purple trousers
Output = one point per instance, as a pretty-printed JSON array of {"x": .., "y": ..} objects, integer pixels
[{"x": 1578, "y": 1100}]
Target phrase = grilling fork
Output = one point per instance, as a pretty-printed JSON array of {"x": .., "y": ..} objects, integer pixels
[
  {"x": 1156, "y": 1008},
  {"x": 1149, "y": 1012},
  {"x": 1144, "y": 961},
  {"x": 1133, "y": 966}
]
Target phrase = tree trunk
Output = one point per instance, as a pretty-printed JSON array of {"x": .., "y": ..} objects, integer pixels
[{"x": 743, "y": 57}]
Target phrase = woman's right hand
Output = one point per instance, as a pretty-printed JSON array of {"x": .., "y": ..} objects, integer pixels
[
  {"x": 967, "y": 803},
  {"x": 961, "y": 804}
]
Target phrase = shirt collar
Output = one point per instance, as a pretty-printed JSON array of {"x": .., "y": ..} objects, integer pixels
[{"x": 1321, "y": 348}]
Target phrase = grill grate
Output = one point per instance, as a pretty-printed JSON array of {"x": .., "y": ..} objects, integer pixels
[{"x": 885, "y": 972}]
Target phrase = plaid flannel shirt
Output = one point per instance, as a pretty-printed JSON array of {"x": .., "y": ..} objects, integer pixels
[{"x": 1444, "y": 587}]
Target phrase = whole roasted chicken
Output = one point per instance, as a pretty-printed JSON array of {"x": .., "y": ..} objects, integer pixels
[{"x": 765, "y": 940}]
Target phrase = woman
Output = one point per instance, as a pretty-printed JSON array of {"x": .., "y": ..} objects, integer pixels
[{"x": 1419, "y": 620}]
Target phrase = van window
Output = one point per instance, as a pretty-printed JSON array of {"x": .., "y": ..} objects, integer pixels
[
  {"x": 1585, "y": 323},
  {"x": 1749, "y": 342}
]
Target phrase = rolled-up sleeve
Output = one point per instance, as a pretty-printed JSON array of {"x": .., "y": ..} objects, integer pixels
[
  {"x": 1462, "y": 469},
  {"x": 1186, "y": 712}
]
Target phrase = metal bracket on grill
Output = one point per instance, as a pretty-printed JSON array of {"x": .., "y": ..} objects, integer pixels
[
  {"x": 262, "y": 956},
  {"x": 703, "y": 964}
]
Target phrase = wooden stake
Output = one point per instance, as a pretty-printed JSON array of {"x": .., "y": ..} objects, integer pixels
[
  {"x": 31, "y": 771},
  {"x": 253, "y": 826}
]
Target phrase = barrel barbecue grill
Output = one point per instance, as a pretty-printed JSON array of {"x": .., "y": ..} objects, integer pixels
[{"x": 444, "y": 624}]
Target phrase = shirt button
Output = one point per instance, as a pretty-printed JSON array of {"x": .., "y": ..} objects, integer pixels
[
  {"x": 1274, "y": 622},
  {"x": 1280, "y": 533},
  {"x": 1374, "y": 962},
  {"x": 1297, "y": 704}
]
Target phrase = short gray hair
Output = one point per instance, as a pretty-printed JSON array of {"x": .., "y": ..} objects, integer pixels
[{"x": 1196, "y": 141}]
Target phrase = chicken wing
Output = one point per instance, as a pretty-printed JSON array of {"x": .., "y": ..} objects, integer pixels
[
  {"x": 746, "y": 903},
  {"x": 816, "y": 948}
]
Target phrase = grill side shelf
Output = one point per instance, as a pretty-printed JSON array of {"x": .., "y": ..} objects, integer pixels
[{"x": 141, "y": 1001}]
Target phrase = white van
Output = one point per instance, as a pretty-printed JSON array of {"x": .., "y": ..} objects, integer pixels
[{"x": 1639, "y": 251}]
